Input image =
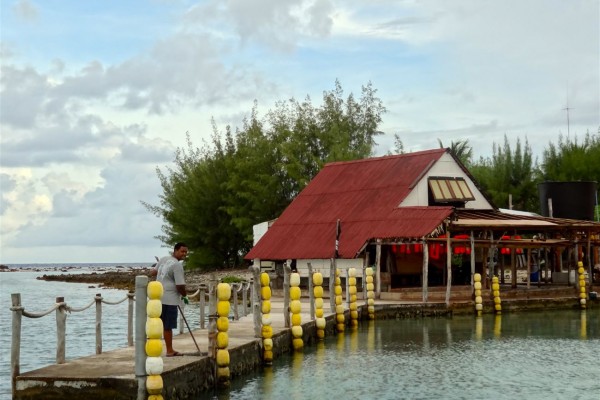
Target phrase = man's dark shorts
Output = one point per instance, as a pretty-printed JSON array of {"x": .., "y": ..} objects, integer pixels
[{"x": 169, "y": 316}]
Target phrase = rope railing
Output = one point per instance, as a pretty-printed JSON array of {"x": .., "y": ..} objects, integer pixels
[
  {"x": 61, "y": 308},
  {"x": 202, "y": 295}
]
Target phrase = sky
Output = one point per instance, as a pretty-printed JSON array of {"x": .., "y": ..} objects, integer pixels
[{"x": 96, "y": 95}]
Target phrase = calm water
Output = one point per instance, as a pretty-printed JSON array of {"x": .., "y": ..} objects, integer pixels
[{"x": 552, "y": 355}]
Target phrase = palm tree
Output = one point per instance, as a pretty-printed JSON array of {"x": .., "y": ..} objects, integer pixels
[{"x": 460, "y": 149}]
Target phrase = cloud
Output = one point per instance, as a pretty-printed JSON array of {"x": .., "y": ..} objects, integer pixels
[{"x": 25, "y": 10}]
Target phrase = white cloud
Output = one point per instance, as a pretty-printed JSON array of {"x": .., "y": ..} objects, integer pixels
[{"x": 89, "y": 111}]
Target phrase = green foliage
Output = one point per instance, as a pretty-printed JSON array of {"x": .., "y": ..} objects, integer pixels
[
  {"x": 232, "y": 279},
  {"x": 214, "y": 195},
  {"x": 570, "y": 160},
  {"x": 509, "y": 172},
  {"x": 461, "y": 149}
]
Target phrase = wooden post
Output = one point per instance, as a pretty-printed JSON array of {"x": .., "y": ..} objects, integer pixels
[
  {"x": 141, "y": 302},
  {"x": 448, "y": 265},
  {"x": 546, "y": 266},
  {"x": 472, "y": 257},
  {"x": 130, "y": 303},
  {"x": 332, "y": 269},
  {"x": 256, "y": 300},
  {"x": 364, "y": 279},
  {"x": 141, "y": 315},
  {"x": 287, "y": 270},
  {"x": 425, "y": 271},
  {"x": 378, "y": 269},
  {"x": 347, "y": 285},
  {"x": 212, "y": 315},
  {"x": 61, "y": 330},
  {"x": 234, "y": 292},
  {"x": 528, "y": 268},
  {"x": 15, "y": 348},
  {"x": 569, "y": 255},
  {"x": 513, "y": 268},
  {"x": 311, "y": 295},
  {"x": 202, "y": 300},
  {"x": 589, "y": 260},
  {"x": 98, "y": 300}
]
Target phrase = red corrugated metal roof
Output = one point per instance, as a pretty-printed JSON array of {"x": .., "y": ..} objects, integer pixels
[{"x": 364, "y": 195}]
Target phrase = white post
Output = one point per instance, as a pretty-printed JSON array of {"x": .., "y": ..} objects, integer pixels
[
  {"x": 61, "y": 330},
  {"x": 311, "y": 295},
  {"x": 425, "y": 271},
  {"x": 287, "y": 270},
  {"x": 448, "y": 266},
  {"x": 15, "y": 349},
  {"x": 141, "y": 301},
  {"x": 130, "y": 302},
  {"x": 98, "y": 300},
  {"x": 378, "y": 269}
]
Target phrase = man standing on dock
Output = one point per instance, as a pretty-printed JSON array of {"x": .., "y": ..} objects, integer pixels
[{"x": 169, "y": 272}]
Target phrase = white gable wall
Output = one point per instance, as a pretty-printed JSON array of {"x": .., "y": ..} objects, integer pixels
[{"x": 445, "y": 166}]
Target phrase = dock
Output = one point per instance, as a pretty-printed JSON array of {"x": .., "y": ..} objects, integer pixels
[{"x": 111, "y": 375}]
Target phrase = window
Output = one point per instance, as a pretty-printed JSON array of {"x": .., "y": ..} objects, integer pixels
[{"x": 448, "y": 189}]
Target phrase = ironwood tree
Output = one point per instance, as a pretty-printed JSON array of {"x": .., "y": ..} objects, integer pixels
[
  {"x": 213, "y": 195},
  {"x": 509, "y": 172}
]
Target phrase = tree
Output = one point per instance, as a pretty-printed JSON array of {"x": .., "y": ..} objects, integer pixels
[
  {"x": 509, "y": 172},
  {"x": 461, "y": 149},
  {"x": 571, "y": 160},
  {"x": 213, "y": 196}
]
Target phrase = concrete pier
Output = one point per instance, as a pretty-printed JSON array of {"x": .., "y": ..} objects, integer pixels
[{"x": 111, "y": 375}]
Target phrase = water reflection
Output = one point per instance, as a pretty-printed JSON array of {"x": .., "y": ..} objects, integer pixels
[
  {"x": 497, "y": 325},
  {"x": 536, "y": 355}
]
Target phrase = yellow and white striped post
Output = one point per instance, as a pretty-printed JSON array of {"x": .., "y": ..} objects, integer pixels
[
  {"x": 319, "y": 314},
  {"x": 477, "y": 292},
  {"x": 267, "y": 329},
  {"x": 296, "y": 308},
  {"x": 339, "y": 306},
  {"x": 370, "y": 293},
  {"x": 582, "y": 289},
  {"x": 223, "y": 307},
  {"x": 352, "y": 292},
  {"x": 154, "y": 347},
  {"x": 496, "y": 295}
]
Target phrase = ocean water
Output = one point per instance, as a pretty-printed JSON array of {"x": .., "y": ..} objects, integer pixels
[
  {"x": 549, "y": 355},
  {"x": 38, "y": 335},
  {"x": 529, "y": 355}
]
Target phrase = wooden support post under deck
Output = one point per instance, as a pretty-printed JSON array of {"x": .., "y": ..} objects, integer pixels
[
  {"x": 425, "y": 270},
  {"x": 378, "y": 266},
  {"x": 589, "y": 260},
  {"x": 448, "y": 266},
  {"x": 528, "y": 268},
  {"x": 332, "y": 271},
  {"x": 513, "y": 268},
  {"x": 287, "y": 271},
  {"x": 472, "y": 257},
  {"x": 256, "y": 300},
  {"x": 311, "y": 294}
]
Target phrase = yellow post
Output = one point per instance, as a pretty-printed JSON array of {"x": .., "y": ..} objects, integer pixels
[
  {"x": 267, "y": 329},
  {"x": 582, "y": 289},
  {"x": 223, "y": 306},
  {"x": 320, "y": 322},
  {"x": 370, "y": 293},
  {"x": 339, "y": 306},
  {"x": 477, "y": 292},
  {"x": 352, "y": 292},
  {"x": 296, "y": 308},
  {"x": 496, "y": 295},
  {"x": 154, "y": 332}
]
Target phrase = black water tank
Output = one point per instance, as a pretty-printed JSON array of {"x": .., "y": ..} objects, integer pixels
[{"x": 574, "y": 200}]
